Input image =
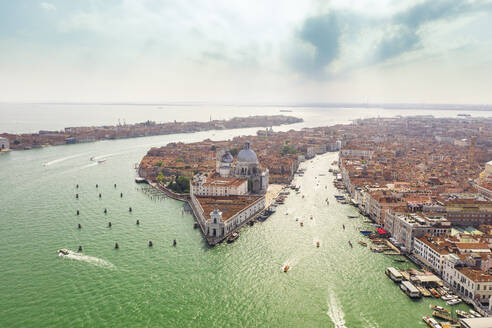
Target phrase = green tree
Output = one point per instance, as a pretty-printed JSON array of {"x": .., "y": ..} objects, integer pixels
[{"x": 234, "y": 151}]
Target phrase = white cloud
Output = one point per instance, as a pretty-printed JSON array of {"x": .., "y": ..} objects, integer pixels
[{"x": 47, "y": 6}]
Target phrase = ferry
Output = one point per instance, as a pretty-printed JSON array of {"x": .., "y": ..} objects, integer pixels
[
  {"x": 431, "y": 322},
  {"x": 439, "y": 308},
  {"x": 63, "y": 251},
  {"x": 232, "y": 238},
  {"x": 409, "y": 289},
  {"x": 394, "y": 274}
]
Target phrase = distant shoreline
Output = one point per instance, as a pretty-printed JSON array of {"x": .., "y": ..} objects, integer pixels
[{"x": 84, "y": 134}]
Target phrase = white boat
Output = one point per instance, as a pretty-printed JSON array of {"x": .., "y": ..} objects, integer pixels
[
  {"x": 448, "y": 297},
  {"x": 454, "y": 301},
  {"x": 475, "y": 313},
  {"x": 431, "y": 322}
]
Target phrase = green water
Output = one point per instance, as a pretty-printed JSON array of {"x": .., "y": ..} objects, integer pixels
[{"x": 191, "y": 285}]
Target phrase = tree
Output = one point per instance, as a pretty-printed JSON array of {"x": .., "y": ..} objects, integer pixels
[
  {"x": 288, "y": 150},
  {"x": 234, "y": 151}
]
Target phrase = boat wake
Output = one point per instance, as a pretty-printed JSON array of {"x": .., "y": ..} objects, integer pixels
[
  {"x": 369, "y": 324},
  {"x": 88, "y": 259},
  {"x": 89, "y": 165},
  {"x": 59, "y": 160},
  {"x": 335, "y": 312},
  {"x": 100, "y": 157}
]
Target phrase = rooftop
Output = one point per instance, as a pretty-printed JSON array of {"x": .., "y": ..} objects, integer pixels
[{"x": 228, "y": 205}]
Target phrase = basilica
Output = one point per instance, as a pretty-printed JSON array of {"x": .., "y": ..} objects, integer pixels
[
  {"x": 224, "y": 200},
  {"x": 246, "y": 166}
]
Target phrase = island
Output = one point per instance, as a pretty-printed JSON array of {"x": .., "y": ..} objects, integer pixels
[{"x": 72, "y": 135}]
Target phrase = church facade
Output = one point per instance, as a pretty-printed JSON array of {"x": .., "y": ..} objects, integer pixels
[{"x": 246, "y": 166}]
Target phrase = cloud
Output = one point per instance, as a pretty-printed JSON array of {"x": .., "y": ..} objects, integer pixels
[
  {"x": 403, "y": 33},
  {"x": 319, "y": 44},
  {"x": 329, "y": 45},
  {"x": 47, "y": 6}
]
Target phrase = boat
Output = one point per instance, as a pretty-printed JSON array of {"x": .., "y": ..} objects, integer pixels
[
  {"x": 448, "y": 297},
  {"x": 394, "y": 274},
  {"x": 350, "y": 243},
  {"x": 408, "y": 288},
  {"x": 365, "y": 232},
  {"x": 63, "y": 251},
  {"x": 424, "y": 291},
  {"x": 454, "y": 301},
  {"x": 439, "y": 308},
  {"x": 317, "y": 244},
  {"x": 444, "y": 316},
  {"x": 434, "y": 293},
  {"x": 232, "y": 238},
  {"x": 363, "y": 243},
  {"x": 352, "y": 216},
  {"x": 101, "y": 161},
  {"x": 400, "y": 260},
  {"x": 286, "y": 268},
  {"x": 377, "y": 249},
  {"x": 475, "y": 313},
  {"x": 302, "y": 224},
  {"x": 431, "y": 322},
  {"x": 463, "y": 314}
]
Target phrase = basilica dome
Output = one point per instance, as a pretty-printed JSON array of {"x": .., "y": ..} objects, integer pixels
[
  {"x": 227, "y": 158},
  {"x": 246, "y": 155}
]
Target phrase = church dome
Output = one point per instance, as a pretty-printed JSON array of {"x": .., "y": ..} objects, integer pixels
[
  {"x": 246, "y": 155},
  {"x": 227, "y": 158}
]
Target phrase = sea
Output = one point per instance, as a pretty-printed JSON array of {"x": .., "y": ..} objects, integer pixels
[{"x": 190, "y": 284}]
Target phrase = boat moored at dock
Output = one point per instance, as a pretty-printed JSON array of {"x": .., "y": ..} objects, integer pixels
[
  {"x": 232, "y": 238},
  {"x": 408, "y": 288},
  {"x": 394, "y": 274},
  {"x": 431, "y": 322}
]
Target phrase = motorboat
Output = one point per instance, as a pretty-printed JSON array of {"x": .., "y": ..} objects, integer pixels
[
  {"x": 439, "y": 308},
  {"x": 448, "y": 297},
  {"x": 101, "y": 161},
  {"x": 63, "y": 251},
  {"x": 317, "y": 244},
  {"x": 286, "y": 268},
  {"x": 232, "y": 238},
  {"x": 475, "y": 313},
  {"x": 454, "y": 301},
  {"x": 464, "y": 314},
  {"x": 431, "y": 322}
]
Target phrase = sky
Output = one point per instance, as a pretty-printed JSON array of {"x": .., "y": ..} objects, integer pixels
[{"x": 227, "y": 51}]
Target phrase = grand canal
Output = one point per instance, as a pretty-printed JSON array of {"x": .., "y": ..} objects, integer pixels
[{"x": 238, "y": 284}]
